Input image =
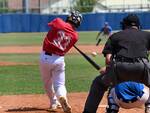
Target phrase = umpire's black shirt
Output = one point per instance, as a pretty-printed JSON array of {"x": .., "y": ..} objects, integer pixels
[{"x": 130, "y": 43}]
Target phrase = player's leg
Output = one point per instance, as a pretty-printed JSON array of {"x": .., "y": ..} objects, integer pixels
[
  {"x": 59, "y": 80},
  {"x": 95, "y": 95},
  {"x": 46, "y": 75},
  {"x": 112, "y": 107},
  {"x": 59, "y": 85},
  {"x": 98, "y": 88},
  {"x": 147, "y": 73},
  {"x": 147, "y": 105},
  {"x": 99, "y": 40},
  {"x": 147, "y": 82}
]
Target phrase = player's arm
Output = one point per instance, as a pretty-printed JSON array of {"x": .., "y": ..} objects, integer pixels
[
  {"x": 56, "y": 23},
  {"x": 107, "y": 63},
  {"x": 108, "y": 59},
  {"x": 107, "y": 52}
]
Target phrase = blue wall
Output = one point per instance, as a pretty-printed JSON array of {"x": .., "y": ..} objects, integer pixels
[{"x": 38, "y": 23}]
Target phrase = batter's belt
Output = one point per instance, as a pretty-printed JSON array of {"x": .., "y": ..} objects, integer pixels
[{"x": 46, "y": 53}]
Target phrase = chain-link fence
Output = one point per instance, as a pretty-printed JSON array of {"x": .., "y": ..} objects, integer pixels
[
  {"x": 64, "y": 6},
  {"x": 35, "y": 6}
]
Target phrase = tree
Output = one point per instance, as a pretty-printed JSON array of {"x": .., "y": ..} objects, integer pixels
[
  {"x": 84, "y": 5},
  {"x": 3, "y": 6}
]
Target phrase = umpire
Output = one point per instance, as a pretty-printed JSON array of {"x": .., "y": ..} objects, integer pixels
[{"x": 126, "y": 55}]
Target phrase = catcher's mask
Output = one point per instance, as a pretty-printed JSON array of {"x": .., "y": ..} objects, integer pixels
[
  {"x": 75, "y": 18},
  {"x": 130, "y": 20}
]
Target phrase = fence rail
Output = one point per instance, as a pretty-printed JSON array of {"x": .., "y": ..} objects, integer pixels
[{"x": 64, "y": 6}]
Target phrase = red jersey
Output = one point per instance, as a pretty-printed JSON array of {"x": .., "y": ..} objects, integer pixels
[{"x": 60, "y": 38}]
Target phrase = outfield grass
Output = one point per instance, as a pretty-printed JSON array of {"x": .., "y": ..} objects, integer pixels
[
  {"x": 89, "y": 38},
  {"x": 20, "y": 80},
  {"x": 25, "y": 79},
  {"x": 21, "y": 39},
  {"x": 20, "y": 58},
  {"x": 30, "y": 39}
]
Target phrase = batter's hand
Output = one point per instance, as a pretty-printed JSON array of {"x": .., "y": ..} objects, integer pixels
[{"x": 103, "y": 70}]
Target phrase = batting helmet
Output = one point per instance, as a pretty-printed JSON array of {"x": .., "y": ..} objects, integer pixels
[
  {"x": 130, "y": 20},
  {"x": 75, "y": 18}
]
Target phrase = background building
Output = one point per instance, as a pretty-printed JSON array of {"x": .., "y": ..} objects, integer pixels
[
  {"x": 121, "y": 5},
  {"x": 64, "y": 6}
]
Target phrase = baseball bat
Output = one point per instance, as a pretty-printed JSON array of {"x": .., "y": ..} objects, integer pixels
[{"x": 92, "y": 62}]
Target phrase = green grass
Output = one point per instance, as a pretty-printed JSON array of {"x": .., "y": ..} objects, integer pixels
[
  {"x": 20, "y": 80},
  {"x": 89, "y": 38},
  {"x": 30, "y": 39},
  {"x": 26, "y": 79},
  {"x": 80, "y": 73},
  {"x": 24, "y": 58},
  {"x": 21, "y": 39}
]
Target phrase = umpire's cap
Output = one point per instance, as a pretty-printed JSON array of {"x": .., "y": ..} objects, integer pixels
[{"x": 130, "y": 20}]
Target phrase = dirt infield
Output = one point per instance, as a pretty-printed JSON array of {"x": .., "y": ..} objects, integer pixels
[
  {"x": 37, "y": 49},
  {"x": 39, "y": 103}
]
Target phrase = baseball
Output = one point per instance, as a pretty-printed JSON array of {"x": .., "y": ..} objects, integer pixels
[{"x": 94, "y": 54}]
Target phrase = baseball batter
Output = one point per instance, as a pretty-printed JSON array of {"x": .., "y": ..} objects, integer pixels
[
  {"x": 58, "y": 41},
  {"x": 127, "y": 95}
]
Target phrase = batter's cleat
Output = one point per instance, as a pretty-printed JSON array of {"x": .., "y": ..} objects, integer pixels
[
  {"x": 66, "y": 107},
  {"x": 54, "y": 107}
]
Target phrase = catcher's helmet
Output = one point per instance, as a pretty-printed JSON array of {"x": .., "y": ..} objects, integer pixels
[
  {"x": 75, "y": 18},
  {"x": 130, "y": 20}
]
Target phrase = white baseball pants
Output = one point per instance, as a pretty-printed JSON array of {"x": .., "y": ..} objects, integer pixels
[{"x": 52, "y": 69}]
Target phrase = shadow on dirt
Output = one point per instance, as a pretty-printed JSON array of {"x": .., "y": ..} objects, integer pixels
[{"x": 25, "y": 109}]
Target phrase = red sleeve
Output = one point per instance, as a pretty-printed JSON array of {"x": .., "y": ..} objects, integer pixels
[{"x": 56, "y": 23}]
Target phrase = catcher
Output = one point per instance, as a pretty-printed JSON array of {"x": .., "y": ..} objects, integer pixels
[{"x": 127, "y": 95}]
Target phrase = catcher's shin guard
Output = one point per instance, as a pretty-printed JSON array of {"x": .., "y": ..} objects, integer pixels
[{"x": 113, "y": 108}]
